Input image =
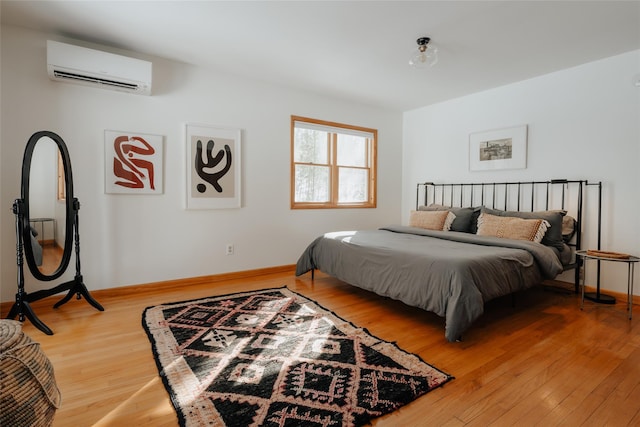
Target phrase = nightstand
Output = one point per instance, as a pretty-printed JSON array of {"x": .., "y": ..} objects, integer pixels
[{"x": 606, "y": 299}]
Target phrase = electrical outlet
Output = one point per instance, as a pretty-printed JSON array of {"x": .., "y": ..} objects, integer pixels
[{"x": 229, "y": 249}]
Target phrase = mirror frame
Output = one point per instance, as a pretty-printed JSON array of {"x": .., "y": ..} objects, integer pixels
[{"x": 69, "y": 206}]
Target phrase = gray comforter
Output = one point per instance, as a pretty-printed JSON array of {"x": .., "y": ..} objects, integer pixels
[{"x": 449, "y": 273}]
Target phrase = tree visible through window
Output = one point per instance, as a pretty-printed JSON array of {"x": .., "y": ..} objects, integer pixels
[{"x": 333, "y": 165}]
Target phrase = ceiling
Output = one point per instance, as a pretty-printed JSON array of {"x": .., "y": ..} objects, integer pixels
[{"x": 356, "y": 50}]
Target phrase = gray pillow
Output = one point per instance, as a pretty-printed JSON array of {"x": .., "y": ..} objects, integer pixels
[
  {"x": 569, "y": 225},
  {"x": 463, "y": 216},
  {"x": 553, "y": 236}
]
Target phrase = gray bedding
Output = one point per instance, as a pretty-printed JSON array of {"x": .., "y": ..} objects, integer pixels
[{"x": 451, "y": 274}]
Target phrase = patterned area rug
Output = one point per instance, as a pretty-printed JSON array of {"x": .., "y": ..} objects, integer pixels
[{"x": 275, "y": 358}]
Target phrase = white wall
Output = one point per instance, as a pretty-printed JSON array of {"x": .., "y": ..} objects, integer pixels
[
  {"x": 140, "y": 239},
  {"x": 43, "y": 190},
  {"x": 584, "y": 123}
]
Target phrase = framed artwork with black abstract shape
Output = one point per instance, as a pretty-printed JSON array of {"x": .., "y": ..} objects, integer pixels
[{"x": 213, "y": 167}]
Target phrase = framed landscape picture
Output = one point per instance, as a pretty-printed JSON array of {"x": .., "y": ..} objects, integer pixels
[
  {"x": 498, "y": 149},
  {"x": 213, "y": 167},
  {"x": 133, "y": 163}
]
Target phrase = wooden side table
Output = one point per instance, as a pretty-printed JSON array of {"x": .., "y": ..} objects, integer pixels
[{"x": 597, "y": 296}]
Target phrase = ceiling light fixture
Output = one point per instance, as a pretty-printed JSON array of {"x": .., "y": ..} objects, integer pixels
[{"x": 425, "y": 55}]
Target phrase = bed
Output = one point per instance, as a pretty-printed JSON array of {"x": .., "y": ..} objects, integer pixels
[
  {"x": 463, "y": 246},
  {"x": 35, "y": 246}
]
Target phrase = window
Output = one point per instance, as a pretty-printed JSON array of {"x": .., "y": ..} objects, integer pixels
[
  {"x": 332, "y": 165},
  {"x": 61, "y": 185}
]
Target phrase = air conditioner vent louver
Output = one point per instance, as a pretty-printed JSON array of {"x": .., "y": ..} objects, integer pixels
[
  {"x": 72, "y": 76},
  {"x": 89, "y": 67}
]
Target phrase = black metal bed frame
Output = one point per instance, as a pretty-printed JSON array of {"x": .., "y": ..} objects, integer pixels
[{"x": 522, "y": 196}]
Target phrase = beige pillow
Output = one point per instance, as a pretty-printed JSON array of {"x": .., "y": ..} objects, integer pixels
[
  {"x": 432, "y": 220},
  {"x": 512, "y": 227}
]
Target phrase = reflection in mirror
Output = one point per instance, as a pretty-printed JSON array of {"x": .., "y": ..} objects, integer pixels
[{"x": 47, "y": 213}]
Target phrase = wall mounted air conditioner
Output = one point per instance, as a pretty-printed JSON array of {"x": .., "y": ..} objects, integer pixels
[{"x": 75, "y": 64}]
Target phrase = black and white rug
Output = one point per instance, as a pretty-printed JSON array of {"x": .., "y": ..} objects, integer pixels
[{"x": 275, "y": 358}]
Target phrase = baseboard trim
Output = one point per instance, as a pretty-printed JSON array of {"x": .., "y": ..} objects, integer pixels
[
  {"x": 172, "y": 284},
  {"x": 619, "y": 296}
]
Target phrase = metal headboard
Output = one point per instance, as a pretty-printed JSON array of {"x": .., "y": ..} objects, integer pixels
[{"x": 522, "y": 196}]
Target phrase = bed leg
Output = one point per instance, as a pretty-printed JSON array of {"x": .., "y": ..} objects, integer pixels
[{"x": 313, "y": 270}]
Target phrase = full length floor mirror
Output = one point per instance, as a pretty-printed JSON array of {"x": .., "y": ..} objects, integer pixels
[{"x": 47, "y": 226}]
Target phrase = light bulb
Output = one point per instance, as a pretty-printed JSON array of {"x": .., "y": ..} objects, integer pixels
[{"x": 424, "y": 56}]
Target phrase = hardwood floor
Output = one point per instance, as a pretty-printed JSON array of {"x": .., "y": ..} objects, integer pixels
[
  {"x": 51, "y": 257},
  {"x": 543, "y": 362}
]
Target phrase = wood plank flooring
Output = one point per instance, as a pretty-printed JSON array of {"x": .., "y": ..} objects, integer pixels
[{"x": 541, "y": 362}]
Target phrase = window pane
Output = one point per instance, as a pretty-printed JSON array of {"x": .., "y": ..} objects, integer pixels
[
  {"x": 310, "y": 146},
  {"x": 353, "y": 185},
  {"x": 352, "y": 150},
  {"x": 312, "y": 183}
]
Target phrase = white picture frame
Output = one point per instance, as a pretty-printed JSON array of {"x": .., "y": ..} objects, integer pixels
[
  {"x": 133, "y": 163},
  {"x": 213, "y": 167},
  {"x": 498, "y": 149}
]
